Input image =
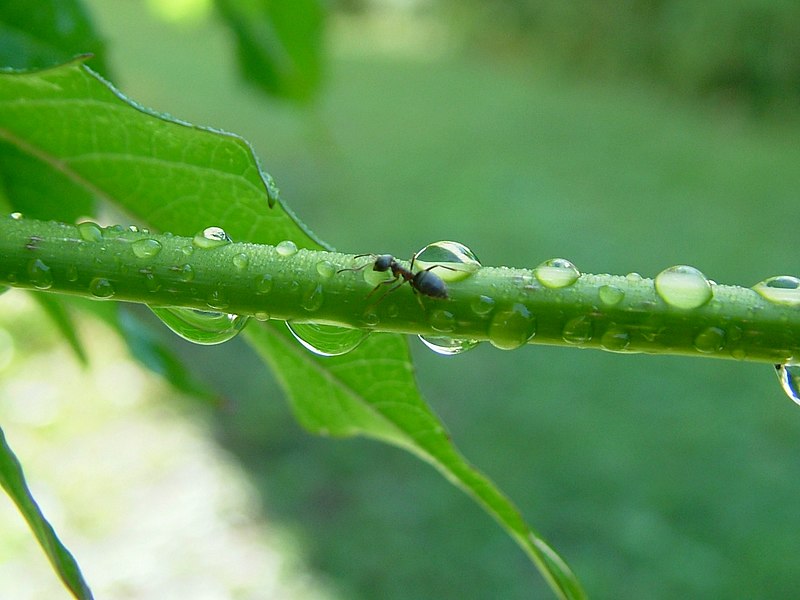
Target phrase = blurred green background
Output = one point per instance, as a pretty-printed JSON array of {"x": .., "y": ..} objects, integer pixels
[{"x": 624, "y": 137}]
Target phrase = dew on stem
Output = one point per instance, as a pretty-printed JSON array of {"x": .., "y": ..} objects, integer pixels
[
  {"x": 451, "y": 261},
  {"x": 512, "y": 327},
  {"x": 146, "y": 248},
  {"x": 556, "y": 273},
  {"x": 782, "y": 289},
  {"x": 211, "y": 237},
  {"x": 200, "y": 326},
  {"x": 286, "y": 248},
  {"x": 447, "y": 346},
  {"x": 90, "y": 232},
  {"x": 683, "y": 287}
]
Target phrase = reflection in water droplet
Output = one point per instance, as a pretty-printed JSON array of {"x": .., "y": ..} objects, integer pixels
[
  {"x": 100, "y": 287},
  {"x": 610, "y": 295},
  {"x": 615, "y": 339},
  {"x": 240, "y": 261},
  {"x": 147, "y": 248},
  {"x": 683, "y": 286},
  {"x": 39, "y": 274},
  {"x": 447, "y": 346},
  {"x": 512, "y": 328},
  {"x": 783, "y": 289},
  {"x": 710, "y": 340},
  {"x": 577, "y": 330},
  {"x": 442, "y": 320},
  {"x": 211, "y": 237},
  {"x": 327, "y": 340},
  {"x": 90, "y": 232},
  {"x": 482, "y": 305},
  {"x": 314, "y": 299},
  {"x": 264, "y": 284},
  {"x": 16, "y": 216},
  {"x": 556, "y": 273},
  {"x": 452, "y": 261},
  {"x": 789, "y": 376},
  {"x": 286, "y": 248},
  {"x": 326, "y": 269},
  {"x": 200, "y": 326}
]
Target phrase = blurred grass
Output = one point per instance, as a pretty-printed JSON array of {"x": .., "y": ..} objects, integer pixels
[{"x": 655, "y": 477}]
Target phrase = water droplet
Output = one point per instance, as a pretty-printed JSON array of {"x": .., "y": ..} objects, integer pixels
[
  {"x": 610, "y": 295},
  {"x": 200, "y": 326},
  {"x": 683, "y": 287},
  {"x": 40, "y": 275},
  {"x": 442, "y": 320},
  {"x": 710, "y": 340},
  {"x": 633, "y": 277},
  {"x": 151, "y": 282},
  {"x": 451, "y": 261},
  {"x": 100, "y": 287},
  {"x": 286, "y": 248},
  {"x": 370, "y": 318},
  {"x": 512, "y": 328},
  {"x": 241, "y": 261},
  {"x": 273, "y": 192},
  {"x": 789, "y": 376},
  {"x": 556, "y": 273},
  {"x": 90, "y": 231},
  {"x": 217, "y": 299},
  {"x": 783, "y": 289},
  {"x": 261, "y": 315},
  {"x": 133, "y": 229},
  {"x": 615, "y": 339},
  {"x": 447, "y": 346},
  {"x": 314, "y": 299},
  {"x": 327, "y": 340},
  {"x": 71, "y": 273},
  {"x": 482, "y": 305},
  {"x": 326, "y": 269},
  {"x": 577, "y": 330},
  {"x": 16, "y": 216},
  {"x": 264, "y": 284},
  {"x": 186, "y": 273},
  {"x": 146, "y": 248},
  {"x": 211, "y": 237}
]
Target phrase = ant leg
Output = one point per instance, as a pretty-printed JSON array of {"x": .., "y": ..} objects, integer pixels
[
  {"x": 387, "y": 282},
  {"x": 356, "y": 268}
]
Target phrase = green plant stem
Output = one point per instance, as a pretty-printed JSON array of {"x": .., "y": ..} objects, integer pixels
[{"x": 252, "y": 279}]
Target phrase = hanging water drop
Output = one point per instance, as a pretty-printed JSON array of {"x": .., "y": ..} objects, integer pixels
[
  {"x": 146, "y": 248},
  {"x": 40, "y": 275},
  {"x": 789, "y": 376},
  {"x": 447, "y": 346},
  {"x": 482, "y": 305},
  {"x": 512, "y": 328},
  {"x": 451, "y": 261},
  {"x": 90, "y": 232},
  {"x": 577, "y": 330},
  {"x": 102, "y": 288},
  {"x": 783, "y": 289},
  {"x": 211, "y": 237},
  {"x": 327, "y": 340},
  {"x": 683, "y": 287},
  {"x": 556, "y": 273},
  {"x": 286, "y": 248},
  {"x": 200, "y": 326}
]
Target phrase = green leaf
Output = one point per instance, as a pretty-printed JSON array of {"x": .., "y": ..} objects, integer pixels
[
  {"x": 13, "y": 481},
  {"x": 41, "y": 33},
  {"x": 56, "y": 309},
  {"x": 279, "y": 43},
  {"x": 181, "y": 178}
]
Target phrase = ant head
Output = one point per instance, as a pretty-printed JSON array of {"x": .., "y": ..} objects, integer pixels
[{"x": 383, "y": 262}]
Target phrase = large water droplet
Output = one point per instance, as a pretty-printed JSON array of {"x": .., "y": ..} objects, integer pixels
[
  {"x": 90, "y": 232},
  {"x": 789, "y": 376},
  {"x": 286, "y": 248},
  {"x": 326, "y": 269},
  {"x": 146, "y": 248},
  {"x": 327, "y": 340},
  {"x": 556, "y": 273},
  {"x": 211, "y": 237},
  {"x": 710, "y": 340},
  {"x": 100, "y": 287},
  {"x": 40, "y": 275},
  {"x": 610, "y": 295},
  {"x": 447, "y": 346},
  {"x": 451, "y": 261},
  {"x": 512, "y": 328},
  {"x": 615, "y": 339},
  {"x": 783, "y": 289},
  {"x": 200, "y": 326},
  {"x": 683, "y": 286},
  {"x": 577, "y": 330}
]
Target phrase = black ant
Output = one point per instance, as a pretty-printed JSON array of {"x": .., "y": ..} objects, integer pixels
[{"x": 425, "y": 282}]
